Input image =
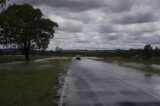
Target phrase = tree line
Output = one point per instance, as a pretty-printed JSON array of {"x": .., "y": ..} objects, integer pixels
[{"x": 145, "y": 53}]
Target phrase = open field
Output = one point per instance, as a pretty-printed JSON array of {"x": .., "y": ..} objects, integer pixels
[
  {"x": 12, "y": 58},
  {"x": 17, "y": 58},
  {"x": 30, "y": 84},
  {"x": 5, "y": 59}
]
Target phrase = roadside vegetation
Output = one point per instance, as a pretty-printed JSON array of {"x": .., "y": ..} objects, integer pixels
[
  {"x": 146, "y": 59},
  {"x": 5, "y": 59},
  {"x": 25, "y": 31},
  {"x": 16, "y": 58},
  {"x": 30, "y": 84},
  {"x": 133, "y": 60},
  {"x": 139, "y": 64}
]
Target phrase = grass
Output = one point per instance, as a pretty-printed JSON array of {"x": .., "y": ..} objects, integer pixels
[
  {"x": 5, "y": 59},
  {"x": 135, "y": 60},
  {"x": 146, "y": 69},
  {"x": 13, "y": 58},
  {"x": 30, "y": 84},
  {"x": 147, "y": 63}
]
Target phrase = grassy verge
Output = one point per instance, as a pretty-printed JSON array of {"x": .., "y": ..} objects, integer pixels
[
  {"x": 146, "y": 64},
  {"x": 146, "y": 68},
  {"x": 134, "y": 60},
  {"x": 29, "y": 84},
  {"x": 10, "y": 58}
]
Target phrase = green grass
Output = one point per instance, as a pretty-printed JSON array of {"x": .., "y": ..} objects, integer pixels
[
  {"x": 12, "y": 58},
  {"x": 135, "y": 60},
  {"x": 147, "y": 63},
  {"x": 29, "y": 84},
  {"x": 146, "y": 69},
  {"x": 4, "y": 59}
]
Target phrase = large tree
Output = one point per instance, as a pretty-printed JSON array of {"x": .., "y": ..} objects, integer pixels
[
  {"x": 3, "y": 4},
  {"x": 23, "y": 27},
  {"x": 147, "y": 51}
]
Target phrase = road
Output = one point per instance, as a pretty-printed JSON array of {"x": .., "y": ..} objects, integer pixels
[{"x": 94, "y": 83}]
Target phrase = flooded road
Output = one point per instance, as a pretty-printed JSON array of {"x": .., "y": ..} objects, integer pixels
[{"x": 95, "y": 83}]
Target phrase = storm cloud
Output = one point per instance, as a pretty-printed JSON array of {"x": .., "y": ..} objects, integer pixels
[{"x": 102, "y": 24}]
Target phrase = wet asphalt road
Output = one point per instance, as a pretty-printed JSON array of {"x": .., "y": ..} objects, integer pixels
[{"x": 94, "y": 83}]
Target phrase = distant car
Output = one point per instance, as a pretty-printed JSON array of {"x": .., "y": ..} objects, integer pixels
[
  {"x": 78, "y": 57},
  {"x": 148, "y": 75}
]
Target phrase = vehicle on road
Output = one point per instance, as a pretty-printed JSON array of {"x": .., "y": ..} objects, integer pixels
[{"x": 78, "y": 57}]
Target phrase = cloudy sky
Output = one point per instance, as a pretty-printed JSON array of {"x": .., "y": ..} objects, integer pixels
[{"x": 102, "y": 24}]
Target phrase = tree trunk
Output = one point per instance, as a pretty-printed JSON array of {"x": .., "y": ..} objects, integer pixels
[{"x": 27, "y": 55}]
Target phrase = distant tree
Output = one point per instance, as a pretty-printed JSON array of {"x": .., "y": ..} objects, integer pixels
[
  {"x": 23, "y": 27},
  {"x": 3, "y": 4},
  {"x": 58, "y": 50},
  {"x": 156, "y": 52},
  {"x": 147, "y": 51}
]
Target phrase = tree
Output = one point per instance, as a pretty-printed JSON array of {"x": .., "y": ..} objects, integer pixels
[
  {"x": 23, "y": 27},
  {"x": 59, "y": 51},
  {"x": 156, "y": 52},
  {"x": 3, "y": 4},
  {"x": 147, "y": 52}
]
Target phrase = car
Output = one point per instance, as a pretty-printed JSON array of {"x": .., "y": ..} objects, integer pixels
[
  {"x": 78, "y": 57},
  {"x": 148, "y": 75}
]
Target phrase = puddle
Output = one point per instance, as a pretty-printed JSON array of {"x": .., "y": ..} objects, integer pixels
[
  {"x": 136, "y": 65},
  {"x": 139, "y": 104},
  {"x": 155, "y": 66}
]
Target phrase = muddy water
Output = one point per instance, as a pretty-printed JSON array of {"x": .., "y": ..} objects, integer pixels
[{"x": 94, "y": 83}]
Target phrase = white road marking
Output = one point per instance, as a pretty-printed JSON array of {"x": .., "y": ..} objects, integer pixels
[{"x": 63, "y": 90}]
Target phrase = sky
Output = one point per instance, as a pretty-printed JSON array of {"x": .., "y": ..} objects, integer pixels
[{"x": 102, "y": 24}]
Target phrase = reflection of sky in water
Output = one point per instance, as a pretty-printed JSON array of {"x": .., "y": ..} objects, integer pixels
[
  {"x": 93, "y": 81},
  {"x": 156, "y": 66}
]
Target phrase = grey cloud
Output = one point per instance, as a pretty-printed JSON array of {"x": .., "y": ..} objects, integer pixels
[
  {"x": 137, "y": 18},
  {"x": 152, "y": 39},
  {"x": 72, "y": 5},
  {"x": 106, "y": 29},
  {"x": 137, "y": 15},
  {"x": 83, "y": 16},
  {"x": 69, "y": 27},
  {"x": 83, "y": 5},
  {"x": 82, "y": 41},
  {"x": 113, "y": 37},
  {"x": 102, "y": 24},
  {"x": 118, "y": 5}
]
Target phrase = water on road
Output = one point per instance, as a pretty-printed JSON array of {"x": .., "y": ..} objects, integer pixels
[{"x": 94, "y": 83}]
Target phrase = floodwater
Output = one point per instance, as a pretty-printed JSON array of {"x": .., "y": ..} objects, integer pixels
[
  {"x": 136, "y": 65},
  {"x": 95, "y": 83}
]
